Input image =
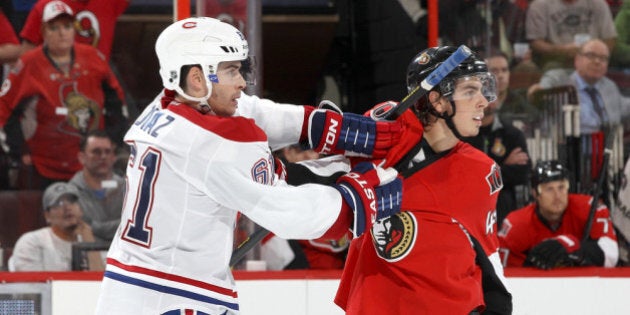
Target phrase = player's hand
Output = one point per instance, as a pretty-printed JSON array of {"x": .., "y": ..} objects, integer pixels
[
  {"x": 334, "y": 132},
  {"x": 517, "y": 157},
  {"x": 553, "y": 252},
  {"x": 372, "y": 193}
]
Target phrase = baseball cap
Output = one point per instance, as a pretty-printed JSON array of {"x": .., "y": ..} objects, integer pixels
[
  {"x": 56, "y": 191},
  {"x": 54, "y": 9}
]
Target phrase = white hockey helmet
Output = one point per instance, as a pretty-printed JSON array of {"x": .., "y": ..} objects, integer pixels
[{"x": 199, "y": 41}]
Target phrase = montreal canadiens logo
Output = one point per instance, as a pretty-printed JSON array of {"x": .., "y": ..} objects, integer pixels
[{"x": 393, "y": 237}]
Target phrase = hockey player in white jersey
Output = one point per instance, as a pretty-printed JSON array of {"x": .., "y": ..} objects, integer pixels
[{"x": 200, "y": 153}]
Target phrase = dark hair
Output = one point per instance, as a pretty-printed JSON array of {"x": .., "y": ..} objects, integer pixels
[
  {"x": 495, "y": 52},
  {"x": 97, "y": 133}
]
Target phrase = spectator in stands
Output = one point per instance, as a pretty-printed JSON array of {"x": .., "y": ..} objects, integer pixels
[
  {"x": 621, "y": 52},
  {"x": 601, "y": 102},
  {"x": 101, "y": 190},
  {"x": 56, "y": 94},
  {"x": 96, "y": 21},
  {"x": 556, "y": 29},
  {"x": 512, "y": 108},
  {"x": 549, "y": 232},
  {"x": 50, "y": 248},
  {"x": 503, "y": 142}
]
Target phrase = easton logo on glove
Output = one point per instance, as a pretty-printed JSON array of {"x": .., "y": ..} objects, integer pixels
[
  {"x": 371, "y": 193},
  {"x": 334, "y": 132},
  {"x": 330, "y": 139}
]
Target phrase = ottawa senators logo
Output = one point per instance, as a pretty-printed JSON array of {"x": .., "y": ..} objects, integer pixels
[
  {"x": 423, "y": 59},
  {"x": 498, "y": 149},
  {"x": 393, "y": 237}
]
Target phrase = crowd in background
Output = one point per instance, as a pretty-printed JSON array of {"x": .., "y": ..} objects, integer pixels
[{"x": 69, "y": 129}]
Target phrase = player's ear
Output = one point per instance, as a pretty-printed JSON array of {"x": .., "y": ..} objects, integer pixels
[
  {"x": 197, "y": 75},
  {"x": 195, "y": 80},
  {"x": 435, "y": 101}
]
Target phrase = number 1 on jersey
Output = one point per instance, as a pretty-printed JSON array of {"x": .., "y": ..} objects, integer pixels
[{"x": 137, "y": 230}]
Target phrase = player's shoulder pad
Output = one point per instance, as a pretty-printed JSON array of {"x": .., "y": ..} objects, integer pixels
[
  {"x": 234, "y": 128},
  {"x": 471, "y": 159}
]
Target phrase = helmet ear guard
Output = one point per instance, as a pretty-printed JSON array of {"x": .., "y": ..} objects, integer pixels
[{"x": 199, "y": 41}]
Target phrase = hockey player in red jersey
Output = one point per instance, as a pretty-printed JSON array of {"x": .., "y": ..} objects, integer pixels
[
  {"x": 439, "y": 254},
  {"x": 548, "y": 232},
  {"x": 200, "y": 153}
]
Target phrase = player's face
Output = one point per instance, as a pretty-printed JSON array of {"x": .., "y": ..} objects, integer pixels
[
  {"x": 58, "y": 34},
  {"x": 98, "y": 158},
  {"x": 65, "y": 214},
  {"x": 552, "y": 199},
  {"x": 470, "y": 104},
  {"x": 228, "y": 88}
]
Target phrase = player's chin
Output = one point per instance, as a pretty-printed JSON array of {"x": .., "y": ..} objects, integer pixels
[{"x": 470, "y": 132}]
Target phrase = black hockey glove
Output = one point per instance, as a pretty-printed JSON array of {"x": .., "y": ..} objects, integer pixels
[
  {"x": 553, "y": 252},
  {"x": 589, "y": 254}
]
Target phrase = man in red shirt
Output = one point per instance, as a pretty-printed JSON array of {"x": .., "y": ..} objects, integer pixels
[
  {"x": 54, "y": 95},
  {"x": 547, "y": 233}
]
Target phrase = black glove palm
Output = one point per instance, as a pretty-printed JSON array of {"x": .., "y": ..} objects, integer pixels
[{"x": 548, "y": 254}]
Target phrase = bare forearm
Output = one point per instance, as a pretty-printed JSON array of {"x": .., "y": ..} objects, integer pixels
[
  {"x": 544, "y": 47},
  {"x": 9, "y": 53}
]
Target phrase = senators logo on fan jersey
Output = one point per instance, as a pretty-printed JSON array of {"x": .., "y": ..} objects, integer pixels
[{"x": 393, "y": 237}]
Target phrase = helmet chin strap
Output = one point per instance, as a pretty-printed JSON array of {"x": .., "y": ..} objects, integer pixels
[
  {"x": 204, "y": 107},
  {"x": 449, "y": 120}
]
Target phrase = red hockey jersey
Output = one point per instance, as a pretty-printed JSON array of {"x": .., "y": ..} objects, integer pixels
[
  {"x": 522, "y": 229},
  {"x": 421, "y": 261}
]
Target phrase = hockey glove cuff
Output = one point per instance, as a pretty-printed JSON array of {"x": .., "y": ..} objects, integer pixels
[
  {"x": 589, "y": 254},
  {"x": 334, "y": 132},
  {"x": 372, "y": 194}
]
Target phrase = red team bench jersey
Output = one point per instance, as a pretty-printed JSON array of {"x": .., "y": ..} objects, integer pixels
[
  {"x": 399, "y": 268},
  {"x": 522, "y": 229}
]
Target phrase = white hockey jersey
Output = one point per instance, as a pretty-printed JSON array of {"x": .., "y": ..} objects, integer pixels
[{"x": 187, "y": 177}]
